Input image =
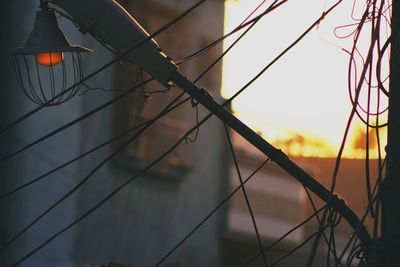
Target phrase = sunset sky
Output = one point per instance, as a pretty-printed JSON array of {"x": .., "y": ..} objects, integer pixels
[{"x": 302, "y": 99}]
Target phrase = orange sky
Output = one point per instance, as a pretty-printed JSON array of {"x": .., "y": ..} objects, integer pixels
[{"x": 301, "y": 104}]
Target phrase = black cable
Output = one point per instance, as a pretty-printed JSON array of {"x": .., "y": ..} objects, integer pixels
[
  {"x": 115, "y": 191},
  {"x": 294, "y": 249},
  {"x": 117, "y": 59},
  {"x": 15, "y": 190},
  {"x": 330, "y": 249},
  {"x": 246, "y": 198},
  {"x": 272, "y": 7},
  {"x": 211, "y": 213},
  {"x": 91, "y": 173},
  {"x": 73, "y": 122},
  {"x": 376, "y": 195},
  {"x": 337, "y": 164},
  {"x": 267, "y": 248}
]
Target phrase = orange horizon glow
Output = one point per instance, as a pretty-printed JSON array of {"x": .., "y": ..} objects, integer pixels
[
  {"x": 49, "y": 59},
  {"x": 301, "y": 103}
]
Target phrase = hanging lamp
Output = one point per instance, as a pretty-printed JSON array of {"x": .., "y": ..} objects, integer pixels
[{"x": 48, "y": 67}]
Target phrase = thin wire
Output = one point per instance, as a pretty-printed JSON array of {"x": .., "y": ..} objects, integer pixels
[
  {"x": 312, "y": 26},
  {"x": 272, "y": 7},
  {"x": 137, "y": 127},
  {"x": 88, "y": 176},
  {"x": 115, "y": 191},
  {"x": 337, "y": 164},
  {"x": 294, "y": 249},
  {"x": 211, "y": 213},
  {"x": 248, "y": 204},
  {"x": 376, "y": 193},
  {"x": 73, "y": 122},
  {"x": 105, "y": 66},
  {"x": 267, "y": 248},
  {"x": 327, "y": 241}
]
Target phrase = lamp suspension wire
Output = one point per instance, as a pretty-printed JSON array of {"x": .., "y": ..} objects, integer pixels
[{"x": 245, "y": 195}]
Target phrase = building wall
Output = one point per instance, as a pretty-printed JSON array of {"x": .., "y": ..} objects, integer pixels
[{"x": 152, "y": 214}]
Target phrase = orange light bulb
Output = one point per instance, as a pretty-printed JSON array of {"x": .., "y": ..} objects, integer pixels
[{"x": 49, "y": 59}]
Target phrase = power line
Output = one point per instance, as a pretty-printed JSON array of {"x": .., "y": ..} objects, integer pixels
[
  {"x": 267, "y": 248},
  {"x": 137, "y": 127},
  {"x": 248, "y": 204},
  {"x": 91, "y": 173},
  {"x": 115, "y": 191},
  {"x": 79, "y": 119},
  {"x": 187, "y": 236},
  {"x": 347, "y": 129}
]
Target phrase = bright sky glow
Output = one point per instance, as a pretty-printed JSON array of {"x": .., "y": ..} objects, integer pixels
[{"x": 303, "y": 99}]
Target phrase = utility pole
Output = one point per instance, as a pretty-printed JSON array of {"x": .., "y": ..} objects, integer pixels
[{"x": 391, "y": 184}]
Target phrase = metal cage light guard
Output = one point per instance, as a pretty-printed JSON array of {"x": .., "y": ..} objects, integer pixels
[{"x": 48, "y": 64}]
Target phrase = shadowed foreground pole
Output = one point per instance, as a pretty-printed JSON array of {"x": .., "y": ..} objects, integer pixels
[{"x": 391, "y": 184}]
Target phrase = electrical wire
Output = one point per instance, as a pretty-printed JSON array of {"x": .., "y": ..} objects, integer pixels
[
  {"x": 267, "y": 248},
  {"x": 90, "y": 175},
  {"x": 246, "y": 198},
  {"x": 376, "y": 196},
  {"x": 295, "y": 249},
  {"x": 73, "y": 122},
  {"x": 45, "y": 175},
  {"x": 353, "y": 112},
  {"x": 187, "y": 236},
  {"x": 243, "y": 25}
]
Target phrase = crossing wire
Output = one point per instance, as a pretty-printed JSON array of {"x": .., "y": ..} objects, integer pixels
[{"x": 246, "y": 197}]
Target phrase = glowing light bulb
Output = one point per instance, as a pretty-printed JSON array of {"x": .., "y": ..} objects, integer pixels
[{"x": 50, "y": 58}]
